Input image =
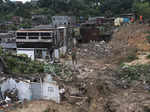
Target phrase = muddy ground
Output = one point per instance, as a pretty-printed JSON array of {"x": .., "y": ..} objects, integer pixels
[{"x": 95, "y": 86}]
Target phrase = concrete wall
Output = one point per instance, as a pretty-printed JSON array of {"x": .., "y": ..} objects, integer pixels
[
  {"x": 36, "y": 91},
  {"x": 50, "y": 91},
  {"x": 23, "y": 88},
  {"x": 28, "y": 52}
]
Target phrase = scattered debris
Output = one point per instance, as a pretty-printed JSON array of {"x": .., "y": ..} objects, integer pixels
[{"x": 97, "y": 50}]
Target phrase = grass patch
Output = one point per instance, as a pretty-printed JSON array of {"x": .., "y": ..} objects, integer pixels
[
  {"x": 148, "y": 38},
  {"x": 148, "y": 56},
  {"x": 132, "y": 57},
  {"x": 128, "y": 58},
  {"x": 147, "y": 32}
]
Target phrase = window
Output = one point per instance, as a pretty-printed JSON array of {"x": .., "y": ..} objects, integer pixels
[
  {"x": 33, "y": 38},
  {"x": 46, "y": 34},
  {"x": 38, "y": 53},
  {"x": 45, "y": 37},
  {"x": 33, "y": 34},
  {"x": 21, "y": 37},
  {"x": 21, "y": 34}
]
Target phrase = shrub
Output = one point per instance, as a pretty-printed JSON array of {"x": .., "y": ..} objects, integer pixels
[
  {"x": 148, "y": 56},
  {"x": 132, "y": 57},
  {"x": 23, "y": 64},
  {"x": 148, "y": 38},
  {"x": 53, "y": 68},
  {"x": 128, "y": 73}
]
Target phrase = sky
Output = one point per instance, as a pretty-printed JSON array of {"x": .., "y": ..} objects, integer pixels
[{"x": 21, "y": 0}]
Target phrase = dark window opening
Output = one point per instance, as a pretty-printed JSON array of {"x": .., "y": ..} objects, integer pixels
[
  {"x": 33, "y": 38},
  {"x": 45, "y": 34},
  {"x": 33, "y": 34},
  {"x": 21, "y": 34},
  {"x": 21, "y": 37},
  {"x": 38, "y": 53},
  {"x": 45, "y": 37}
]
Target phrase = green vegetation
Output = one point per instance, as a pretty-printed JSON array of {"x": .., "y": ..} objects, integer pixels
[
  {"x": 130, "y": 56},
  {"x": 1, "y": 51},
  {"x": 54, "y": 68},
  {"x": 148, "y": 38},
  {"x": 77, "y": 8},
  {"x": 22, "y": 64},
  {"x": 143, "y": 8},
  {"x": 132, "y": 73},
  {"x": 146, "y": 109},
  {"x": 148, "y": 56},
  {"x": 57, "y": 69}
]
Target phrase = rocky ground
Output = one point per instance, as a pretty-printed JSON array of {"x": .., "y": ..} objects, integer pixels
[{"x": 94, "y": 86}]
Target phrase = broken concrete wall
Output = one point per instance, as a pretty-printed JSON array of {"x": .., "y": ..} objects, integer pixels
[
  {"x": 23, "y": 88},
  {"x": 48, "y": 90},
  {"x": 24, "y": 91}
]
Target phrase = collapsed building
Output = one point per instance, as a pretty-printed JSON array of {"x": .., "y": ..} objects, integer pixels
[{"x": 23, "y": 89}]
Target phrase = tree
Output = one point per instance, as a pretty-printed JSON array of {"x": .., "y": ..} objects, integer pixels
[
  {"x": 116, "y": 6},
  {"x": 142, "y": 9}
]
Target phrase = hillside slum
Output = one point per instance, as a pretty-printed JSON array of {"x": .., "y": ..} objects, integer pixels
[{"x": 109, "y": 76}]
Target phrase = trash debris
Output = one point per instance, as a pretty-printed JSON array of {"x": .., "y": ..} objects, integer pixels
[
  {"x": 14, "y": 90},
  {"x": 95, "y": 49}
]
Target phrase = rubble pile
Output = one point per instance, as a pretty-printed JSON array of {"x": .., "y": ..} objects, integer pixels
[
  {"x": 130, "y": 100},
  {"x": 95, "y": 49},
  {"x": 94, "y": 85},
  {"x": 12, "y": 94}
]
